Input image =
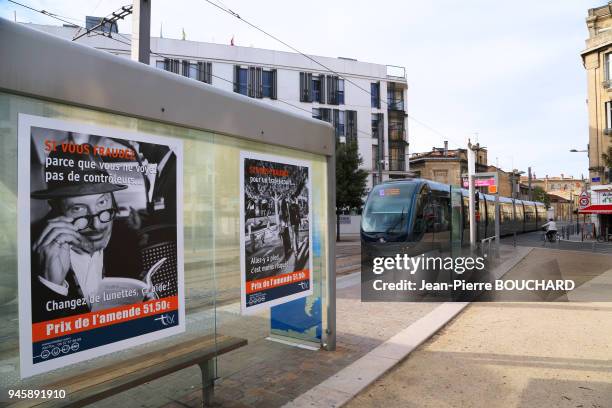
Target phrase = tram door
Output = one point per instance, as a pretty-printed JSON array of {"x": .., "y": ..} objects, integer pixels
[{"x": 457, "y": 221}]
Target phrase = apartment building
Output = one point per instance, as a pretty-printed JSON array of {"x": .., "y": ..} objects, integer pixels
[
  {"x": 597, "y": 60},
  {"x": 364, "y": 102}
]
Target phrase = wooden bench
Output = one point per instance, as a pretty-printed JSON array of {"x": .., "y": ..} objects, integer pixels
[{"x": 94, "y": 385}]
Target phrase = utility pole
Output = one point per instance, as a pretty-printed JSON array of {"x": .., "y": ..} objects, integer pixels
[
  {"x": 530, "y": 193},
  {"x": 471, "y": 156},
  {"x": 141, "y": 31}
]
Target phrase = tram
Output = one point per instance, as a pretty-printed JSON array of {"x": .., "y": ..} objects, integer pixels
[{"x": 419, "y": 211}]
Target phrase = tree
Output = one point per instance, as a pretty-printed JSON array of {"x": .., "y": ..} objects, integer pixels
[
  {"x": 540, "y": 195},
  {"x": 607, "y": 162},
  {"x": 350, "y": 180}
]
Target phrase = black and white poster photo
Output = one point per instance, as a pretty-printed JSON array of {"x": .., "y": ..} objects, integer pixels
[
  {"x": 101, "y": 210},
  {"x": 276, "y": 241}
]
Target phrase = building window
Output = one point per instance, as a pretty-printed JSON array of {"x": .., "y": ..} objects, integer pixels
[
  {"x": 608, "y": 107},
  {"x": 305, "y": 87},
  {"x": 375, "y": 159},
  {"x": 312, "y": 87},
  {"x": 171, "y": 65},
  {"x": 241, "y": 82},
  {"x": 351, "y": 125},
  {"x": 395, "y": 97},
  {"x": 200, "y": 71},
  {"x": 323, "y": 114},
  {"x": 316, "y": 87},
  {"x": 339, "y": 121},
  {"x": 377, "y": 125},
  {"x": 441, "y": 176},
  {"x": 608, "y": 68},
  {"x": 335, "y": 90},
  {"x": 340, "y": 91},
  {"x": 204, "y": 71},
  {"x": 267, "y": 81},
  {"x": 255, "y": 82},
  {"x": 375, "y": 94}
]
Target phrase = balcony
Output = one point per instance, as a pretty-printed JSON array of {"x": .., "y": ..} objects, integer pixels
[
  {"x": 397, "y": 165},
  {"x": 395, "y": 104},
  {"x": 607, "y": 84},
  {"x": 397, "y": 135}
]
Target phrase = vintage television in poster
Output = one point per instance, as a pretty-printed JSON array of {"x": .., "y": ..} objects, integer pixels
[
  {"x": 100, "y": 241},
  {"x": 276, "y": 230}
]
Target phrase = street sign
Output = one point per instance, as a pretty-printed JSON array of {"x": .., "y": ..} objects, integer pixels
[
  {"x": 584, "y": 200},
  {"x": 486, "y": 179}
]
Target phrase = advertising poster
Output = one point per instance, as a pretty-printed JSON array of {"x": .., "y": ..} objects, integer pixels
[
  {"x": 275, "y": 220},
  {"x": 100, "y": 241}
]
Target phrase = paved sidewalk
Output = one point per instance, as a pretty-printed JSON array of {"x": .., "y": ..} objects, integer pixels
[
  {"x": 270, "y": 374},
  {"x": 522, "y": 354}
]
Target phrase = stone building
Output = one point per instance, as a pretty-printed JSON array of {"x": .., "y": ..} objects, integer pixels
[
  {"x": 597, "y": 60},
  {"x": 444, "y": 165}
]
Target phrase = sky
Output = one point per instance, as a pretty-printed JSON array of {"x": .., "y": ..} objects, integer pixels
[{"x": 507, "y": 74}]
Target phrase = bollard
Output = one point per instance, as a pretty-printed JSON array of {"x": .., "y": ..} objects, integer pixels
[{"x": 514, "y": 239}]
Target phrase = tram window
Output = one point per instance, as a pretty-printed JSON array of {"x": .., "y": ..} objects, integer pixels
[
  {"x": 420, "y": 221},
  {"x": 441, "y": 213},
  {"x": 388, "y": 208}
]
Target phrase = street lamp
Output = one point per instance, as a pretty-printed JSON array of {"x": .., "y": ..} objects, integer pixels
[{"x": 578, "y": 151}]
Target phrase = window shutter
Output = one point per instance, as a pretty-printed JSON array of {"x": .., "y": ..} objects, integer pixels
[
  {"x": 258, "y": 82},
  {"x": 336, "y": 123},
  {"x": 166, "y": 64},
  {"x": 309, "y": 86},
  {"x": 302, "y": 86},
  {"x": 323, "y": 88},
  {"x": 208, "y": 76},
  {"x": 201, "y": 71},
  {"x": 236, "y": 77},
  {"x": 378, "y": 96},
  {"x": 251, "y": 82},
  {"x": 273, "y": 96},
  {"x": 185, "y": 68}
]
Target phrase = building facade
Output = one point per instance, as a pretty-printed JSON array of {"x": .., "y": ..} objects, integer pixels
[
  {"x": 597, "y": 60},
  {"x": 364, "y": 102},
  {"x": 444, "y": 165}
]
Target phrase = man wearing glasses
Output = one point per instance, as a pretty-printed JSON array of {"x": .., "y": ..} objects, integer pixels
[{"x": 74, "y": 248}]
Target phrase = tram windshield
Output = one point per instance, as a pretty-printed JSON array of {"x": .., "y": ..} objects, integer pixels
[{"x": 388, "y": 208}]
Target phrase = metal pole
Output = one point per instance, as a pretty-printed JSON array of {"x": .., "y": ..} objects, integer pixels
[
  {"x": 141, "y": 31},
  {"x": 329, "y": 338},
  {"x": 497, "y": 226},
  {"x": 471, "y": 156}
]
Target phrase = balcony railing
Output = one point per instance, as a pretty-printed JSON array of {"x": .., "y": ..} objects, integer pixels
[
  {"x": 398, "y": 135},
  {"x": 395, "y": 104},
  {"x": 607, "y": 83},
  {"x": 397, "y": 165}
]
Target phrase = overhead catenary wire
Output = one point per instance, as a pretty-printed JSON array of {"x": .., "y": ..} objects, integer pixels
[
  {"x": 254, "y": 26},
  {"x": 367, "y": 135}
]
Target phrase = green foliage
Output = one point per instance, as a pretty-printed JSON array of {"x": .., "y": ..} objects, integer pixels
[
  {"x": 350, "y": 179},
  {"x": 540, "y": 195},
  {"x": 607, "y": 158}
]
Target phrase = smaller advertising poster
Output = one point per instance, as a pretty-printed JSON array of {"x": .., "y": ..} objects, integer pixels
[
  {"x": 276, "y": 228},
  {"x": 100, "y": 241}
]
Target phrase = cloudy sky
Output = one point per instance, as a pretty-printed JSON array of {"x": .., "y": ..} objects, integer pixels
[{"x": 508, "y": 71}]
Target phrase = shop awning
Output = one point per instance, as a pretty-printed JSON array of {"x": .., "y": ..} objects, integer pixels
[{"x": 596, "y": 209}]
